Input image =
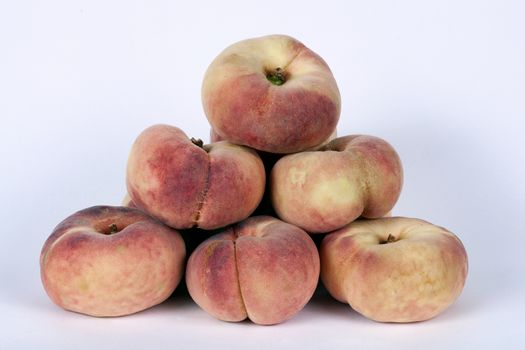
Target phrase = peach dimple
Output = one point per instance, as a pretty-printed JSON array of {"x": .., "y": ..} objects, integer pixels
[{"x": 394, "y": 269}]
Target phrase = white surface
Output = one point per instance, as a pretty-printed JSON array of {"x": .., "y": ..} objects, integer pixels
[{"x": 442, "y": 81}]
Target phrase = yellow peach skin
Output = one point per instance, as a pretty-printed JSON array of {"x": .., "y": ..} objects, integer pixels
[
  {"x": 351, "y": 176},
  {"x": 111, "y": 261},
  {"x": 269, "y": 159},
  {"x": 394, "y": 269}
]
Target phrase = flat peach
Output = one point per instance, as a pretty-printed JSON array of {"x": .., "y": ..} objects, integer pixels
[
  {"x": 394, "y": 269},
  {"x": 111, "y": 261},
  {"x": 351, "y": 176},
  {"x": 262, "y": 269},
  {"x": 271, "y": 93},
  {"x": 187, "y": 184}
]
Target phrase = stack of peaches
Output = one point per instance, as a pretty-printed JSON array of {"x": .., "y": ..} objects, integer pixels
[{"x": 238, "y": 218}]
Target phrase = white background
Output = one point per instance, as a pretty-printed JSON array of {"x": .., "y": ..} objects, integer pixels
[{"x": 442, "y": 81}]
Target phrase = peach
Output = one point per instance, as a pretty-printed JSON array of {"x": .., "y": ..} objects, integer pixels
[
  {"x": 111, "y": 261},
  {"x": 192, "y": 237},
  {"x": 351, "y": 176},
  {"x": 214, "y": 137},
  {"x": 186, "y": 184},
  {"x": 269, "y": 159},
  {"x": 394, "y": 269},
  {"x": 271, "y": 93},
  {"x": 262, "y": 269}
]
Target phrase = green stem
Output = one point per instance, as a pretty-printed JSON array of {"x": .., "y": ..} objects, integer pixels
[{"x": 276, "y": 77}]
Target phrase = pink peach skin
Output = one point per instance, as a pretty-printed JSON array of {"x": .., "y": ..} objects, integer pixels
[
  {"x": 262, "y": 269},
  {"x": 269, "y": 159},
  {"x": 192, "y": 237},
  {"x": 214, "y": 137},
  {"x": 394, "y": 269},
  {"x": 323, "y": 190},
  {"x": 186, "y": 184},
  {"x": 111, "y": 261},
  {"x": 271, "y": 93}
]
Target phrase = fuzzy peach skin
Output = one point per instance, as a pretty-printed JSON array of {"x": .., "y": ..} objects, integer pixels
[
  {"x": 214, "y": 137},
  {"x": 111, "y": 261},
  {"x": 186, "y": 184},
  {"x": 271, "y": 93},
  {"x": 394, "y": 269},
  {"x": 262, "y": 269},
  {"x": 351, "y": 176},
  {"x": 269, "y": 159}
]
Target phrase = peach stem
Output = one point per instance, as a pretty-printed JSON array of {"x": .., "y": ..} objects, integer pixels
[
  {"x": 389, "y": 239},
  {"x": 276, "y": 77},
  {"x": 197, "y": 142},
  {"x": 113, "y": 228}
]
